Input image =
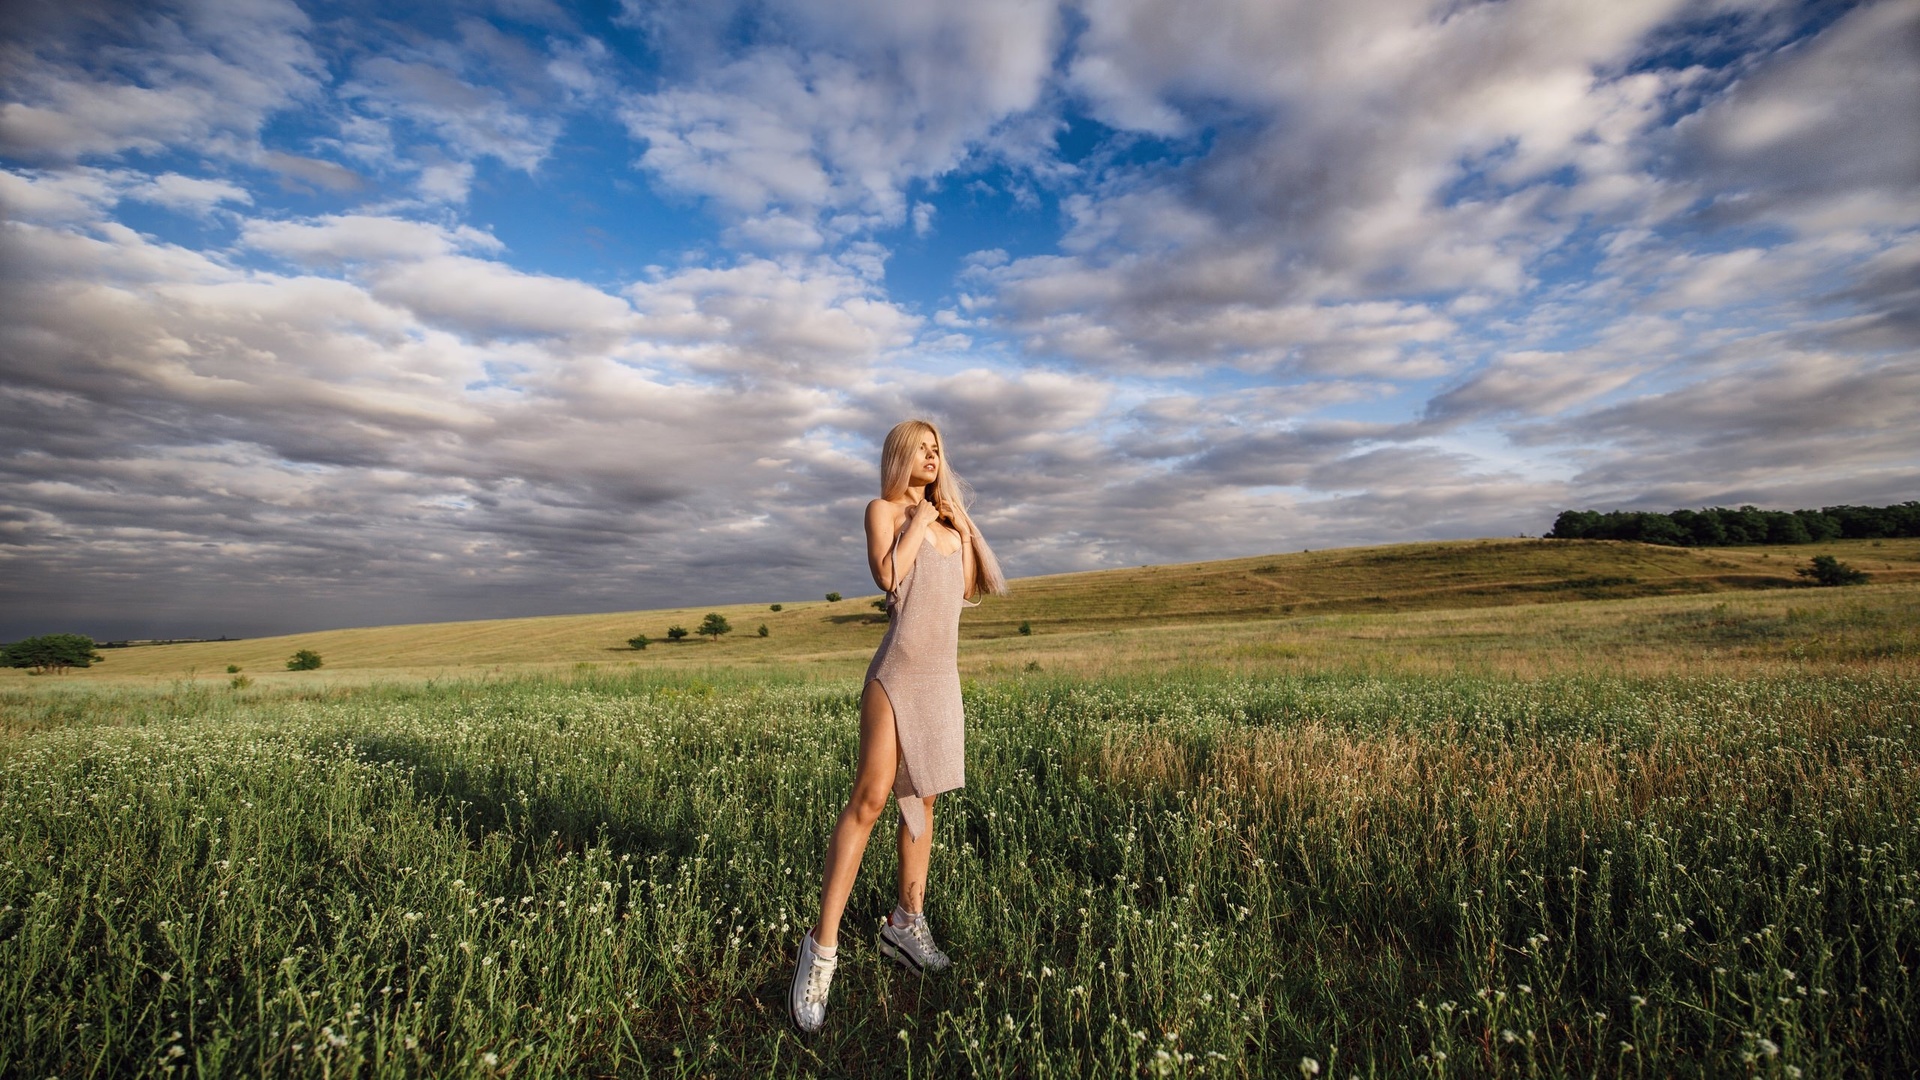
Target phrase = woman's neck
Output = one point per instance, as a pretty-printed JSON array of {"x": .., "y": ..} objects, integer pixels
[{"x": 916, "y": 493}]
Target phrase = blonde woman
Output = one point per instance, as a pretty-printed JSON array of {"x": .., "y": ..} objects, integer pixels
[{"x": 925, "y": 553}]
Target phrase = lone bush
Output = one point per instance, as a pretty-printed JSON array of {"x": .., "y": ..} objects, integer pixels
[
  {"x": 763, "y": 629},
  {"x": 1026, "y": 628},
  {"x": 715, "y": 624},
  {"x": 233, "y": 669},
  {"x": 304, "y": 660},
  {"x": 1827, "y": 570},
  {"x": 773, "y": 607},
  {"x": 833, "y": 598},
  {"x": 52, "y": 652},
  {"x": 639, "y": 641},
  {"x": 675, "y": 633}
]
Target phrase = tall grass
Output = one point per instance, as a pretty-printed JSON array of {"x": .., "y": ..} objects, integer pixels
[{"x": 1208, "y": 877}]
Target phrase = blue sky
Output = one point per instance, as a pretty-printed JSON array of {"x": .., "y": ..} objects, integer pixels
[{"x": 340, "y": 314}]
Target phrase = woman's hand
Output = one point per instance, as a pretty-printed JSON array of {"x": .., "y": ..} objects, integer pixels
[
  {"x": 957, "y": 520},
  {"x": 922, "y": 514}
]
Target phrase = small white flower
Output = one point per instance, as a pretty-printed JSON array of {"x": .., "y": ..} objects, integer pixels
[{"x": 1309, "y": 1067}]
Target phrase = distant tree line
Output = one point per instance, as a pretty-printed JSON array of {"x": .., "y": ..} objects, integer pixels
[{"x": 1718, "y": 526}]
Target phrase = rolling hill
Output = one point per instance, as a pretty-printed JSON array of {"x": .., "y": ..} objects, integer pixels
[{"x": 1402, "y": 578}]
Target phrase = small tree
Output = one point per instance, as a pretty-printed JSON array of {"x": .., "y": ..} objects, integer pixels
[
  {"x": 675, "y": 633},
  {"x": 1827, "y": 570},
  {"x": 1026, "y": 628},
  {"x": 52, "y": 652},
  {"x": 773, "y": 607},
  {"x": 714, "y": 625},
  {"x": 639, "y": 641},
  {"x": 833, "y": 598},
  {"x": 304, "y": 660},
  {"x": 879, "y": 605},
  {"x": 763, "y": 629}
]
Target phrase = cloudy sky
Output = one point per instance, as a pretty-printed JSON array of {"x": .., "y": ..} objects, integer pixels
[{"x": 316, "y": 315}]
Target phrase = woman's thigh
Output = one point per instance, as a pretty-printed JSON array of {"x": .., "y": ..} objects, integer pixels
[{"x": 879, "y": 743}]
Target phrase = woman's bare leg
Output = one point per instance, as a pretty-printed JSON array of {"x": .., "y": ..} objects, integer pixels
[
  {"x": 872, "y": 784},
  {"x": 914, "y": 856}
]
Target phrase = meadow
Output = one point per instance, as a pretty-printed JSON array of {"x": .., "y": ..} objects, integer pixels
[{"x": 1641, "y": 836}]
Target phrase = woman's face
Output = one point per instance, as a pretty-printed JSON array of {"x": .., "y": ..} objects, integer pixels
[{"x": 926, "y": 460}]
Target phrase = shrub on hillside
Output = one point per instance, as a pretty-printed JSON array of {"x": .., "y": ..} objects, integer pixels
[
  {"x": 715, "y": 624},
  {"x": 51, "y": 652},
  {"x": 639, "y": 641},
  {"x": 1827, "y": 570},
  {"x": 675, "y": 633},
  {"x": 833, "y": 598},
  {"x": 304, "y": 660},
  {"x": 773, "y": 607}
]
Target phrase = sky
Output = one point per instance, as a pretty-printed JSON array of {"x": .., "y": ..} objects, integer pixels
[{"x": 324, "y": 314}]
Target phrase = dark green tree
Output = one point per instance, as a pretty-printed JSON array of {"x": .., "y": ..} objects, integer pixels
[
  {"x": 714, "y": 625},
  {"x": 1026, "y": 628},
  {"x": 833, "y": 598},
  {"x": 52, "y": 652},
  {"x": 304, "y": 660},
  {"x": 773, "y": 607},
  {"x": 639, "y": 641},
  {"x": 675, "y": 633},
  {"x": 1827, "y": 570},
  {"x": 763, "y": 629}
]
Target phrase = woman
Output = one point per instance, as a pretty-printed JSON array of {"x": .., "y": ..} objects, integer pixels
[{"x": 924, "y": 551}]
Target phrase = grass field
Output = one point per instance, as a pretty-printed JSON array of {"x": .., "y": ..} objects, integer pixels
[{"x": 1647, "y": 836}]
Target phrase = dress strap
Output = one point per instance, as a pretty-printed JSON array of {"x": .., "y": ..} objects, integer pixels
[{"x": 893, "y": 566}]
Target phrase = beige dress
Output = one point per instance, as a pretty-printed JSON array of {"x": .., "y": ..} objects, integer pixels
[{"x": 917, "y": 668}]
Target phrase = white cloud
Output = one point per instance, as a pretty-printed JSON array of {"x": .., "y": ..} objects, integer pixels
[
  {"x": 858, "y": 101},
  {"x": 447, "y": 182},
  {"x": 59, "y": 195},
  {"x": 482, "y": 299},
  {"x": 1822, "y": 120},
  {"x": 190, "y": 194},
  {"x": 361, "y": 237},
  {"x": 204, "y": 73}
]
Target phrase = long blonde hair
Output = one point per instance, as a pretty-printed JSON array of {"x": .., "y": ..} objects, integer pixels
[{"x": 896, "y": 469}]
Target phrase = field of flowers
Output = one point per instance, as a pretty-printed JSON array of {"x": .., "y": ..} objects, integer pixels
[{"x": 1321, "y": 875}]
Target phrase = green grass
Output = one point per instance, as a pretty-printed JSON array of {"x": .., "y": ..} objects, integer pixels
[{"x": 1207, "y": 875}]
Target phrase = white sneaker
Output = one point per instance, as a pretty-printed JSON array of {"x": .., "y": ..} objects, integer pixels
[
  {"x": 812, "y": 978},
  {"x": 912, "y": 946}
]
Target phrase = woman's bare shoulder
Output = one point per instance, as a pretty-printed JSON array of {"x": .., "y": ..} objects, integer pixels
[{"x": 883, "y": 513}]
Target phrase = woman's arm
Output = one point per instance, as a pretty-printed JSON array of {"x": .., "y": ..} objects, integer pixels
[{"x": 884, "y": 522}]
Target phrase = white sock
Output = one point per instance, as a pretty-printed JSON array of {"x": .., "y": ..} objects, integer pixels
[
  {"x": 901, "y": 917},
  {"x": 825, "y": 952}
]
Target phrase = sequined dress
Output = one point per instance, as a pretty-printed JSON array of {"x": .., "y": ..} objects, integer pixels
[{"x": 917, "y": 668}]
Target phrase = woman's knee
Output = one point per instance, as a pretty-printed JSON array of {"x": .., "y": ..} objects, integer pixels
[{"x": 867, "y": 804}]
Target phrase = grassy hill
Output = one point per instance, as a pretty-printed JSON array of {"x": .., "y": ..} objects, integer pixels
[{"x": 1253, "y": 611}]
